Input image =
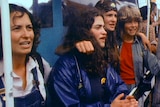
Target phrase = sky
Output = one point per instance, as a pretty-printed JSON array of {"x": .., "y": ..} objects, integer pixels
[
  {"x": 26, "y": 3},
  {"x": 86, "y": 2},
  {"x": 144, "y": 2},
  {"x": 141, "y": 2}
]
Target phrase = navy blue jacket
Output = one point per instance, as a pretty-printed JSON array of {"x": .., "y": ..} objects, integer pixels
[{"x": 65, "y": 91}]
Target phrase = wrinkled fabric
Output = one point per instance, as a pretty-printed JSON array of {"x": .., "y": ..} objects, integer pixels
[
  {"x": 144, "y": 60},
  {"x": 63, "y": 85}
]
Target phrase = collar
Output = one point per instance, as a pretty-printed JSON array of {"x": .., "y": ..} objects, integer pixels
[{"x": 29, "y": 66}]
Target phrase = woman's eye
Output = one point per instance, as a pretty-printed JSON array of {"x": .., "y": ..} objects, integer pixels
[
  {"x": 29, "y": 27},
  {"x": 15, "y": 28}
]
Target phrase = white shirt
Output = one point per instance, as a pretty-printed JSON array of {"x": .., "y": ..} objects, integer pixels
[{"x": 17, "y": 81}]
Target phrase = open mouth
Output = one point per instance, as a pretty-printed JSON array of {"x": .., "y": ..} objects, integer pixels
[{"x": 25, "y": 44}]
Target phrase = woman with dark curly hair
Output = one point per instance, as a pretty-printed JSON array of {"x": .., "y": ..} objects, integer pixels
[
  {"x": 28, "y": 82},
  {"x": 81, "y": 80},
  {"x": 109, "y": 10}
]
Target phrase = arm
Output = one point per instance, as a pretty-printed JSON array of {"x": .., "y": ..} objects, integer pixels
[
  {"x": 152, "y": 34},
  {"x": 118, "y": 91},
  {"x": 144, "y": 40},
  {"x": 151, "y": 62},
  {"x": 85, "y": 47},
  {"x": 62, "y": 85}
]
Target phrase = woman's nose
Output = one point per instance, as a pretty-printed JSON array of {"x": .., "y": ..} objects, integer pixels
[
  {"x": 104, "y": 31},
  {"x": 25, "y": 32}
]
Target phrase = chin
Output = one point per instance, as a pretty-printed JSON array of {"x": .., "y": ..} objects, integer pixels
[
  {"x": 102, "y": 45},
  {"x": 26, "y": 52}
]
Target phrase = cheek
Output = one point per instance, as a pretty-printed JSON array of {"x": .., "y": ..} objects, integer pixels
[
  {"x": 95, "y": 35},
  {"x": 32, "y": 35},
  {"x": 14, "y": 37},
  {"x": 125, "y": 27},
  {"x": 106, "y": 20}
]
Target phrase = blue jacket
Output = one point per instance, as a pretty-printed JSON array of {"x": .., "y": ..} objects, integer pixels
[{"x": 65, "y": 91}]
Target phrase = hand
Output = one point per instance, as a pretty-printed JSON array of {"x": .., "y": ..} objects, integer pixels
[
  {"x": 85, "y": 47},
  {"x": 154, "y": 48},
  {"x": 129, "y": 101},
  {"x": 133, "y": 102}
]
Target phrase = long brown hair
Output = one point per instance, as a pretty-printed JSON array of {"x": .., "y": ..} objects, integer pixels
[{"x": 80, "y": 30}]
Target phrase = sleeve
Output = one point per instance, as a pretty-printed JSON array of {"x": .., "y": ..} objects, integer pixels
[
  {"x": 116, "y": 84},
  {"x": 151, "y": 62},
  {"x": 62, "y": 85}
]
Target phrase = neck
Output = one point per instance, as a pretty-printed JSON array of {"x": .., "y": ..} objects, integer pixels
[
  {"x": 18, "y": 62},
  {"x": 19, "y": 68},
  {"x": 128, "y": 38}
]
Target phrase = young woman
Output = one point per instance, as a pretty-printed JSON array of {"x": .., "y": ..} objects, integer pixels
[
  {"x": 28, "y": 82},
  {"x": 110, "y": 18},
  {"x": 81, "y": 80},
  {"x": 135, "y": 60}
]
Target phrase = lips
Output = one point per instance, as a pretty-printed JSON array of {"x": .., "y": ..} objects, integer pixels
[
  {"x": 103, "y": 39},
  {"x": 133, "y": 30},
  {"x": 25, "y": 44},
  {"x": 112, "y": 24}
]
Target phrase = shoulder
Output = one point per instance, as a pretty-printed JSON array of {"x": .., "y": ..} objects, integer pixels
[
  {"x": 65, "y": 65},
  {"x": 138, "y": 39},
  {"x": 63, "y": 69},
  {"x": 66, "y": 59}
]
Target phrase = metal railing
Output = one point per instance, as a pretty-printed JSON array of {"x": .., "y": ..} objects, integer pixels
[{"x": 7, "y": 54}]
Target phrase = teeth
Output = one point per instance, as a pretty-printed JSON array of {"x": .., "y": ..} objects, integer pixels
[{"x": 24, "y": 43}]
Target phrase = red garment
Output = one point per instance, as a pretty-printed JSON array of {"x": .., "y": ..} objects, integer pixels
[{"x": 126, "y": 64}]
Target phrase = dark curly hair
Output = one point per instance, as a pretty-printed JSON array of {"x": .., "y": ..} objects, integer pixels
[
  {"x": 35, "y": 23},
  {"x": 80, "y": 30}
]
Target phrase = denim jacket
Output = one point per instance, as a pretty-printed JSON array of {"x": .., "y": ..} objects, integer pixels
[{"x": 143, "y": 59}]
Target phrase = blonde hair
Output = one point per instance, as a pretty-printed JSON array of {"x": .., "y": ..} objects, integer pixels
[{"x": 128, "y": 13}]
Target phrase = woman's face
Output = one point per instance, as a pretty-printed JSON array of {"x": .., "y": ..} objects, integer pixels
[
  {"x": 110, "y": 19},
  {"x": 131, "y": 28},
  {"x": 98, "y": 30},
  {"x": 22, "y": 34}
]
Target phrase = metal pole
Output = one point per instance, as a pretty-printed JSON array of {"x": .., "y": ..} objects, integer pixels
[
  {"x": 7, "y": 54},
  {"x": 148, "y": 17}
]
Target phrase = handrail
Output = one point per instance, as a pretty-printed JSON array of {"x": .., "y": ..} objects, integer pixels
[
  {"x": 148, "y": 17},
  {"x": 7, "y": 54}
]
